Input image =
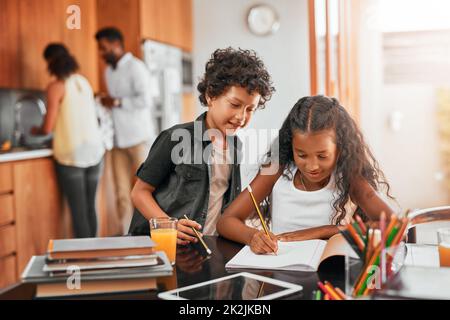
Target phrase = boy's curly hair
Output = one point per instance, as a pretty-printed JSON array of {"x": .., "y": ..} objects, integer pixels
[{"x": 231, "y": 67}]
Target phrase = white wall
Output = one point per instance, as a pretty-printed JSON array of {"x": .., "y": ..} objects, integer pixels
[
  {"x": 222, "y": 23},
  {"x": 410, "y": 157}
]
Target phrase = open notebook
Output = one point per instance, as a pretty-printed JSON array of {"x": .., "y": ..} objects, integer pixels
[{"x": 293, "y": 256}]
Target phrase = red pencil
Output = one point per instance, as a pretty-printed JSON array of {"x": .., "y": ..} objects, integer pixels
[
  {"x": 324, "y": 290},
  {"x": 361, "y": 224},
  {"x": 383, "y": 244}
]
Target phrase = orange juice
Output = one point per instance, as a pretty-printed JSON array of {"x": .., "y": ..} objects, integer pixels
[
  {"x": 444, "y": 254},
  {"x": 166, "y": 240}
]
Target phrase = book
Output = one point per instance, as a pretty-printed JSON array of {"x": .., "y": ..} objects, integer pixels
[
  {"x": 60, "y": 289},
  {"x": 34, "y": 272},
  {"x": 293, "y": 256},
  {"x": 99, "y": 247},
  {"x": 102, "y": 263}
]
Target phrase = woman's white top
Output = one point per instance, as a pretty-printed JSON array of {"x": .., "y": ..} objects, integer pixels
[
  {"x": 293, "y": 209},
  {"x": 77, "y": 139}
]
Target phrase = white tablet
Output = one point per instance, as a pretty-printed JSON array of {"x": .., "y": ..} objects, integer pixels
[{"x": 239, "y": 286}]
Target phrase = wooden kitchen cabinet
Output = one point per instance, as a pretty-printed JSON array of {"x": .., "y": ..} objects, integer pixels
[
  {"x": 41, "y": 22},
  {"x": 82, "y": 42},
  {"x": 168, "y": 21},
  {"x": 9, "y": 44},
  {"x": 30, "y": 215},
  {"x": 6, "y": 209},
  {"x": 124, "y": 15},
  {"x": 44, "y": 21},
  {"x": 38, "y": 207},
  {"x": 8, "y": 271},
  {"x": 6, "y": 184}
]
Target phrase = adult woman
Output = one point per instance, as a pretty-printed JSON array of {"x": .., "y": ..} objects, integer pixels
[{"x": 77, "y": 144}]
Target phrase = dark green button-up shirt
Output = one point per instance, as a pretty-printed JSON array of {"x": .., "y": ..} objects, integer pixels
[{"x": 178, "y": 167}]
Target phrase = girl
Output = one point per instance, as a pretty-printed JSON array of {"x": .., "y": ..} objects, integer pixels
[
  {"x": 323, "y": 164},
  {"x": 192, "y": 168},
  {"x": 77, "y": 143}
]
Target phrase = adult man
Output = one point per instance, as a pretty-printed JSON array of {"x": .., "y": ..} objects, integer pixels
[{"x": 130, "y": 100}]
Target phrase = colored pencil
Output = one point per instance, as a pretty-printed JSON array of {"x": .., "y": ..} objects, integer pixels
[
  {"x": 318, "y": 295},
  {"x": 360, "y": 223},
  {"x": 391, "y": 225},
  {"x": 324, "y": 289},
  {"x": 356, "y": 237},
  {"x": 266, "y": 230},
  {"x": 341, "y": 293},
  {"x": 383, "y": 243},
  {"x": 263, "y": 223},
  {"x": 401, "y": 233},
  {"x": 332, "y": 291}
]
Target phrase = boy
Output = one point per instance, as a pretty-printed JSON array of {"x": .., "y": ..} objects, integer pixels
[{"x": 193, "y": 168}]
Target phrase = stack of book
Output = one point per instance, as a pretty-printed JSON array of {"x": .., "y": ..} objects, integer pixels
[{"x": 96, "y": 266}]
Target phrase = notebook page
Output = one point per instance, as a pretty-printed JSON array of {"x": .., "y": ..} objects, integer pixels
[{"x": 300, "y": 255}]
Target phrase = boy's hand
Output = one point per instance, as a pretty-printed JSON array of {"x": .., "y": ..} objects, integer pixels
[
  {"x": 262, "y": 244},
  {"x": 185, "y": 234}
]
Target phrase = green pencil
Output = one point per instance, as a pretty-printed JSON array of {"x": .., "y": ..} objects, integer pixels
[{"x": 318, "y": 295}]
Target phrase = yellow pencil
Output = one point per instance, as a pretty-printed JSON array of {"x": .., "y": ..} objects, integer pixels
[
  {"x": 208, "y": 251},
  {"x": 266, "y": 230}
]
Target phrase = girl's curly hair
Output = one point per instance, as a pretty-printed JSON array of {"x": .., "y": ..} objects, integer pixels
[
  {"x": 317, "y": 113},
  {"x": 231, "y": 67}
]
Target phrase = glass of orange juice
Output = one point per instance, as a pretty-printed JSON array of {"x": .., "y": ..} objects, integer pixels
[
  {"x": 444, "y": 247},
  {"x": 164, "y": 233}
]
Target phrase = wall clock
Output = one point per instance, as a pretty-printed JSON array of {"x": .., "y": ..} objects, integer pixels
[{"x": 263, "y": 20}]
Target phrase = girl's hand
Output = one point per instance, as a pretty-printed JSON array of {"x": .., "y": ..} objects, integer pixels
[
  {"x": 185, "y": 234},
  {"x": 262, "y": 244}
]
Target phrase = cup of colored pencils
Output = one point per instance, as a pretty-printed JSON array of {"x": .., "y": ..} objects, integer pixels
[{"x": 377, "y": 248}]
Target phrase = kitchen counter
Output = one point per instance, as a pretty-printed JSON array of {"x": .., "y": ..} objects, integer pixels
[{"x": 17, "y": 154}]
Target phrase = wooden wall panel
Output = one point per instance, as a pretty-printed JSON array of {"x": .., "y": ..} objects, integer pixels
[
  {"x": 6, "y": 209},
  {"x": 41, "y": 22},
  {"x": 7, "y": 240},
  {"x": 82, "y": 42},
  {"x": 6, "y": 184},
  {"x": 38, "y": 208},
  {"x": 124, "y": 15},
  {"x": 9, "y": 44},
  {"x": 8, "y": 271}
]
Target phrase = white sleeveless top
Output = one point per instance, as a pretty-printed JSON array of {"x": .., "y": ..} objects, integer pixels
[
  {"x": 294, "y": 209},
  {"x": 77, "y": 139}
]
